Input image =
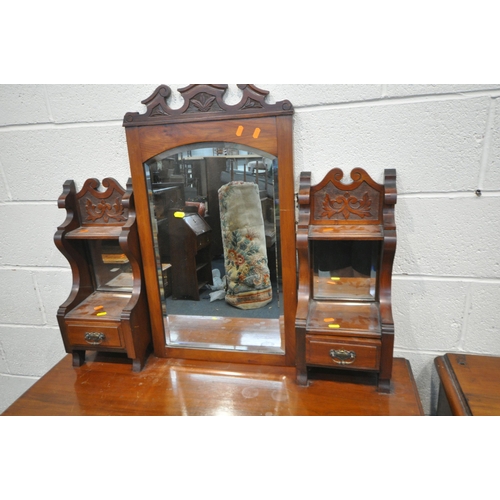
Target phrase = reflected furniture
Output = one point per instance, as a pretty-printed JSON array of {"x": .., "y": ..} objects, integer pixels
[
  {"x": 185, "y": 387},
  {"x": 107, "y": 307},
  {"x": 469, "y": 385},
  {"x": 346, "y": 241},
  {"x": 190, "y": 239}
]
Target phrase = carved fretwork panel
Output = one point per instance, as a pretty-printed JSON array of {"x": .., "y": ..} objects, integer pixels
[
  {"x": 203, "y": 103},
  {"x": 333, "y": 202},
  {"x": 203, "y": 100},
  {"x": 362, "y": 203},
  {"x": 101, "y": 207}
]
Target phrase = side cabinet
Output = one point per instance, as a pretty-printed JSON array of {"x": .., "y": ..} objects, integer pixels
[
  {"x": 346, "y": 242},
  {"x": 107, "y": 308}
]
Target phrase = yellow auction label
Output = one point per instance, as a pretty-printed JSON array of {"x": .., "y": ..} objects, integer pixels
[{"x": 179, "y": 215}]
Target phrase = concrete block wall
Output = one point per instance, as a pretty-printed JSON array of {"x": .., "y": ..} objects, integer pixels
[{"x": 444, "y": 141}]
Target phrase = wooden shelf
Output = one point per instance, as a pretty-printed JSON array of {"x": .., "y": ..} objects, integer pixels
[
  {"x": 95, "y": 233},
  {"x": 346, "y": 232},
  {"x": 112, "y": 303},
  {"x": 334, "y": 318}
]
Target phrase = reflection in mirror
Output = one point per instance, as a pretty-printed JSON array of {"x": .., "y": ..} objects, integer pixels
[
  {"x": 215, "y": 221},
  {"x": 345, "y": 269}
]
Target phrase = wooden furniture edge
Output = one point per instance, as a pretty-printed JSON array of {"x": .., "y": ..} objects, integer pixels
[{"x": 451, "y": 388}]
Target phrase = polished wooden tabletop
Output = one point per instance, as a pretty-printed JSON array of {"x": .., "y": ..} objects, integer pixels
[
  {"x": 107, "y": 386},
  {"x": 469, "y": 385}
]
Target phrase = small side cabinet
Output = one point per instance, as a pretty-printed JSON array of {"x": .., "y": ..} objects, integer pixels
[
  {"x": 346, "y": 242},
  {"x": 107, "y": 308}
]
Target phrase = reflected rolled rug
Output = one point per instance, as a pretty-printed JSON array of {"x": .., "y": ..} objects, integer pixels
[{"x": 244, "y": 242}]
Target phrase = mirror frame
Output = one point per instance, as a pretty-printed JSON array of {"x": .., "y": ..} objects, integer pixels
[{"x": 206, "y": 117}]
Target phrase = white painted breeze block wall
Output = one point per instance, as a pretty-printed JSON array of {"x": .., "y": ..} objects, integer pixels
[{"x": 444, "y": 141}]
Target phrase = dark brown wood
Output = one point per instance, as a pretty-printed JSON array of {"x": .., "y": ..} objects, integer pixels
[
  {"x": 201, "y": 100},
  {"x": 105, "y": 385},
  {"x": 469, "y": 385},
  {"x": 361, "y": 211},
  {"x": 191, "y": 268},
  {"x": 94, "y": 217},
  {"x": 205, "y": 117}
]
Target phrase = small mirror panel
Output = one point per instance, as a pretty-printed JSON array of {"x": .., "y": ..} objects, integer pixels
[{"x": 345, "y": 269}]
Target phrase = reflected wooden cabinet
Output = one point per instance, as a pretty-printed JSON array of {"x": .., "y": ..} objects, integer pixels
[
  {"x": 107, "y": 307},
  {"x": 190, "y": 253},
  {"x": 346, "y": 242}
]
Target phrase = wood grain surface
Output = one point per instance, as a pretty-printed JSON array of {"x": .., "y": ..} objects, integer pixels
[{"x": 105, "y": 385}]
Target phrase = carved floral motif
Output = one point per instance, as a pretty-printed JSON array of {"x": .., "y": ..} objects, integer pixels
[
  {"x": 347, "y": 205},
  {"x": 203, "y": 102},
  {"x": 104, "y": 211}
]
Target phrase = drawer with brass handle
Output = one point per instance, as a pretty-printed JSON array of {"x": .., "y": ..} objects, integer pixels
[
  {"x": 95, "y": 335},
  {"x": 362, "y": 354},
  {"x": 94, "y": 338}
]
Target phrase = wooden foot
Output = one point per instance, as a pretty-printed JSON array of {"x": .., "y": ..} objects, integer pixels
[
  {"x": 384, "y": 386},
  {"x": 78, "y": 358},
  {"x": 139, "y": 363},
  {"x": 302, "y": 379}
]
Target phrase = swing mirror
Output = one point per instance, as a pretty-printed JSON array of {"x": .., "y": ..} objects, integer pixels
[{"x": 214, "y": 195}]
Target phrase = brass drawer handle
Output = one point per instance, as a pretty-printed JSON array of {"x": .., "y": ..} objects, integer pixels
[
  {"x": 94, "y": 338},
  {"x": 343, "y": 357}
]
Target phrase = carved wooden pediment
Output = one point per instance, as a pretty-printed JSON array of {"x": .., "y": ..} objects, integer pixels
[
  {"x": 205, "y": 102},
  {"x": 102, "y": 207},
  {"x": 338, "y": 203}
]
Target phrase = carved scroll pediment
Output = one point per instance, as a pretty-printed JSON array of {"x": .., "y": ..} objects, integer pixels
[
  {"x": 205, "y": 102},
  {"x": 102, "y": 207},
  {"x": 335, "y": 202}
]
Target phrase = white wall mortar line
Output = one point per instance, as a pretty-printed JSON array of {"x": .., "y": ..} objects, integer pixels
[
  {"x": 389, "y": 101},
  {"x": 39, "y": 298},
  {"x": 463, "y": 279},
  {"x": 465, "y": 319},
  {"x": 47, "y": 104},
  {"x": 31, "y": 202},
  {"x": 446, "y": 194},
  {"x": 9, "y": 267},
  {"x": 485, "y": 157},
  {"x": 5, "y": 183},
  {"x": 29, "y": 326},
  {"x": 30, "y": 127}
]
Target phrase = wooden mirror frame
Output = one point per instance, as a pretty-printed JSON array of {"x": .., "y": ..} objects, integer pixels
[{"x": 206, "y": 117}]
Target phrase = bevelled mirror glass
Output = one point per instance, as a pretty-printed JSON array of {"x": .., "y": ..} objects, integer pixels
[{"x": 213, "y": 186}]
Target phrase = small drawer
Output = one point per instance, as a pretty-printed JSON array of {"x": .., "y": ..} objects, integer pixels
[
  {"x": 337, "y": 353},
  {"x": 93, "y": 336}
]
